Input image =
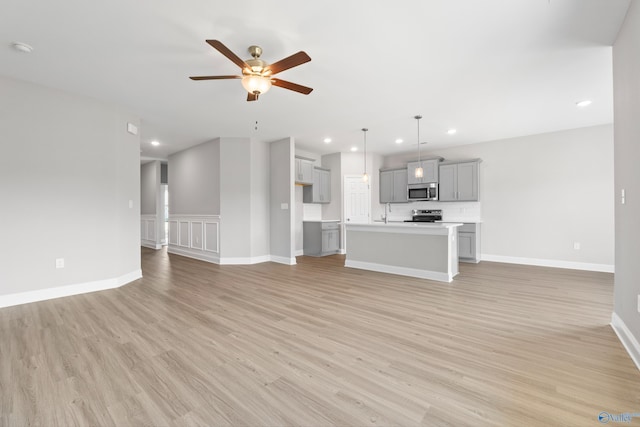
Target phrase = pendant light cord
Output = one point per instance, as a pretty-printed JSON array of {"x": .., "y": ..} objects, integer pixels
[
  {"x": 365, "y": 149},
  {"x": 418, "y": 117}
]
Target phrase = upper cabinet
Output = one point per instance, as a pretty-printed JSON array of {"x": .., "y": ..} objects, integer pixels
[
  {"x": 393, "y": 186},
  {"x": 320, "y": 189},
  {"x": 304, "y": 171},
  {"x": 459, "y": 182},
  {"x": 429, "y": 171}
]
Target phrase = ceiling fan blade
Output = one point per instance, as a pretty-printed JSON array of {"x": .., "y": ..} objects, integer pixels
[
  {"x": 291, "y": 86},
  {"x": 217, "y": 44},
  {"x": 214, "y": 77},
  {"x": 289, "y": 62},
  {"x": 252, "y": 97}
]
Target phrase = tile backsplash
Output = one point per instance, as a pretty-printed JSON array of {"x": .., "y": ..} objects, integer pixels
[
  {"x": 451, "y": 211},
  {"x": 311, "y": 212}
]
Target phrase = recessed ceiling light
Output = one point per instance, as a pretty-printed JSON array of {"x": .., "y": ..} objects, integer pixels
[
  {"x": 327, "y": 140},
  {"x": 155, "y": 143},
  {"x": 583, "y": 103},
  {"x": 354, "y": 148},
  {"x": 22, "y": 47},
  {"x": 399, "y": 141},
  {"x": 451, "y": 131}
]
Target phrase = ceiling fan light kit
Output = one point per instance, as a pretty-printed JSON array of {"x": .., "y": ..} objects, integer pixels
[{"x": 257, "y": 74}]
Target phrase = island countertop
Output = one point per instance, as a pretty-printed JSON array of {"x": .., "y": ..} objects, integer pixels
[{"x": 406, "y": 227}]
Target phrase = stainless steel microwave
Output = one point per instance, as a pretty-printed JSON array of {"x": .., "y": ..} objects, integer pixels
[{"x": 426, "y": 191}]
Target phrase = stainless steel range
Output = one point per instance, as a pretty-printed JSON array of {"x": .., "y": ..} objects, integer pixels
[{"x": 425, "y": 215}]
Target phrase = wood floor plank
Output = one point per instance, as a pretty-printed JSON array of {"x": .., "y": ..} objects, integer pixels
[{"x": 317, "y": 344}]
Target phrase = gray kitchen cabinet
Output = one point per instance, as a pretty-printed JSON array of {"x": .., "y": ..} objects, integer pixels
[
  {"x": 304, "y": 170},
  {"x": 320, "y": 189},
  {"x": 393, "y": 186},
  {"x": 320, "y": 238},
  {"x": 429, "y": 171},
  {"x": 469, "y": 242},
  {"x": 459, "y": 182}
]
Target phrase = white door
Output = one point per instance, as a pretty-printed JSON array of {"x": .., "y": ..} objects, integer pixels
[{"x": 356, "y": 202}]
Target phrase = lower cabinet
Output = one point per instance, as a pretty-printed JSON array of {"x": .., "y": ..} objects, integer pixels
[
  {"x": 469, "y": 242},
  {"x": 320, "y": 238}
]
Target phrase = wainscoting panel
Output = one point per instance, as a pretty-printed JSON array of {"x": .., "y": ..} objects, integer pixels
[
  {"x": 195, "y": 236},
  {"x": 173, "y": 232},
  {"x": 183, "y": 236},
  {"x": 148, "y": 232},
  {"x": 211, "y": 240}
]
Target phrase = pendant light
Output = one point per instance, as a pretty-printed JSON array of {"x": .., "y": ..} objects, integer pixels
[
  {"x": 418, "y": 171},
  {"x": 365, "y": 177}
]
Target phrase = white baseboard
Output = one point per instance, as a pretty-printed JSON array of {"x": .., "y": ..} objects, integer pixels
[
  {"x": 245, "y": 260},
  {"x": 283, "y": 260},
  {"x": 403, "y": 271},
  {"x": 342, "y": 252},
  {"x": 606, "y": 268},
  {"x": 300, "y": 252},
  {"x": 68, "y": 290},
  {"x": 216, "y": 259},
  {"x": 212, "y": 257},
  {"x": 151, "y": 244},
  {"x": 627, "y": 339}
]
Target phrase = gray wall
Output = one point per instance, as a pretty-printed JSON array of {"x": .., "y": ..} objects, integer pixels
[
  {"x": 260, "y": 199},
  {"x": 235, "y": 197},
  {"x": 541, "y": 193},
  {"x": 282, "y": 191},
  {"x": 195, "y": 180},
  {"x": 333, "y": 210},
  {"x": 626, "y": 69},
  {"x": 149, "y": 187},
  {"x": 68, "y": 170}
]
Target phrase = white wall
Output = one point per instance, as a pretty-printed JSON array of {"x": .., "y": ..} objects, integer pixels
[
  {"x": 626, "y": 68},
  {"x": 541, "y": 193},
  {"x": 69, "y": 173}
]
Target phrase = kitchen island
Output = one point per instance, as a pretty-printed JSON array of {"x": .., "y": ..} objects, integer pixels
[{"x": 423, "y": 250}]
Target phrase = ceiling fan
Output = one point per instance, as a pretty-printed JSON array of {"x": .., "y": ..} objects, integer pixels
[{"x": 257, "y": 75}]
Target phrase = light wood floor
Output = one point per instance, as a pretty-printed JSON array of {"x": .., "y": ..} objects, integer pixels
[{"x": 318, "y": 344}]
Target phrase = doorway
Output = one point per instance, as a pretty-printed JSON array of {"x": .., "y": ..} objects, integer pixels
[
  {"x": 356, "y": 203},
  {"x": 164, "y": 191}
]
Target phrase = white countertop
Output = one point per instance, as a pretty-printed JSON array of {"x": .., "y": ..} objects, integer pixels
[
  {"x": 321, "y": 220},
  {"x": 406, "y": 227}
]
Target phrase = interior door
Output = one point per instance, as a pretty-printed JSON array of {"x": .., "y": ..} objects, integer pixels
[{"x": 356, "y": 202}]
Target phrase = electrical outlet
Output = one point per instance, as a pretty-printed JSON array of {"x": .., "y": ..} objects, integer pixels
[
  {"x": 576, "y": 246},
  {"x": 638, "y": 303},
  {"x": 622, "y": 197},
  {"x": 59, "y": 262}
]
